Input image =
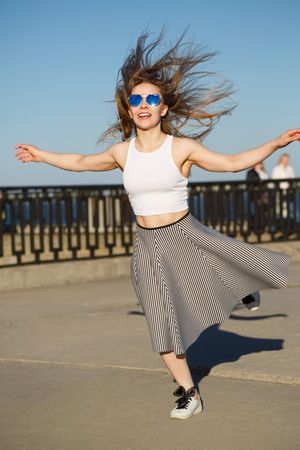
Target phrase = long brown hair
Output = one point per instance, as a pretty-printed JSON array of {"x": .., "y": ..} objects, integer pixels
[{"x": 177, "y": 74}]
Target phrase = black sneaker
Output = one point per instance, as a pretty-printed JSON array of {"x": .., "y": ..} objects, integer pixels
[{"x": 252, "y": 301}]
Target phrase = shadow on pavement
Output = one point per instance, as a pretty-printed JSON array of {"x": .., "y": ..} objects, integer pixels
[{"x": 215, "y": 346}]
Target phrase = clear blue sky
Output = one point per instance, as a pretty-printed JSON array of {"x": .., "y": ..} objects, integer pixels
[{"x": 59, "y": 61}]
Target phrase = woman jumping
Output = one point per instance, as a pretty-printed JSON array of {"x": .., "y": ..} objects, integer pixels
[{"x": 186, "y": 276}]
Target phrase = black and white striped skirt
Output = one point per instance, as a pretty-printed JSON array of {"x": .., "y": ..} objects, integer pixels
[{"x": 188, "y": 277}]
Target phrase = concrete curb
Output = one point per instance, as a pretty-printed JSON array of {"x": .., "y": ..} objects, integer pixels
[
  {"x": 24, "y": 277},
  {"x": 216, "y": 372},
  {"x": 50, "y": 274}
]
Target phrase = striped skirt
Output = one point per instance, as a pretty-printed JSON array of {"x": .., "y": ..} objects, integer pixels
[{"x": 188, "y": 277}]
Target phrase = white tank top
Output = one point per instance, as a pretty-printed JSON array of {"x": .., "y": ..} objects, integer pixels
[{"x": 153, "y": 182}]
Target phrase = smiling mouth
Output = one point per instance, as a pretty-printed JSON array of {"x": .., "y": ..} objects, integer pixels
[{"x": 144, "y": 115}]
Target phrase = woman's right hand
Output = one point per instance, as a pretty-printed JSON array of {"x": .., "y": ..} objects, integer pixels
[{"x": 28, "y": 153}]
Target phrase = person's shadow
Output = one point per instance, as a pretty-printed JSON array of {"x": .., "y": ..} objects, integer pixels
[{"x": 215, "y": 346}]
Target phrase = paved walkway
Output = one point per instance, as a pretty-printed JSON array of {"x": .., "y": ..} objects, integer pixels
[{"x": 78, "y": 372}]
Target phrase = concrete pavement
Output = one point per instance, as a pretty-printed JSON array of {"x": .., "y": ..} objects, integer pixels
[{"x": 78, "y": 372}]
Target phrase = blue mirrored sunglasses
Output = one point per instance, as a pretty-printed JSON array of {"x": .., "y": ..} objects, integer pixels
[{"x": 151, "y": 99}]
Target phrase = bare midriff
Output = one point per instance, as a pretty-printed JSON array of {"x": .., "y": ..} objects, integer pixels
[{"x": 158, "y": 220}]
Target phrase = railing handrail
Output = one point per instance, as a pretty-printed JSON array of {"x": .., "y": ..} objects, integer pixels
[{"x": 120, "y": 185}]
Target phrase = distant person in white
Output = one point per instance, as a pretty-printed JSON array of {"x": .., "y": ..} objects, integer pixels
[{"x": 283, "y": 170}]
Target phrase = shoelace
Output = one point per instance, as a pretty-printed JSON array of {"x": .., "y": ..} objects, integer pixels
[{"x": 185, "y": 396}]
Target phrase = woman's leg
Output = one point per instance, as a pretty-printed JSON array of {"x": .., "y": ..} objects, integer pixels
[{"x": 178, "y": 368}]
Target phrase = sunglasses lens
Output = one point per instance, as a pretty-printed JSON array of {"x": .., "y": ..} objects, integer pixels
[
  {"x": 153, "y": 99},
  {"x": 135, "y": 99}
]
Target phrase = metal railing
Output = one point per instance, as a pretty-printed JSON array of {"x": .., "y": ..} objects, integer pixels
[{"x": 59, "y": 223}]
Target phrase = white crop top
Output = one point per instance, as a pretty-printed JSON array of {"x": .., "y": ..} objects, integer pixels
[{"x": 153, "y": 182}]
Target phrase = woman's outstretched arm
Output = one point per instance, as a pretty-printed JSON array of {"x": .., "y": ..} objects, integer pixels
[
  {"x": 218, "y": 162},
  {"x": 69, "y": 161}
]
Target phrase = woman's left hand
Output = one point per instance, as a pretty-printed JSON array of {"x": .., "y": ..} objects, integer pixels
[{"x": 288, "y": 137}]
